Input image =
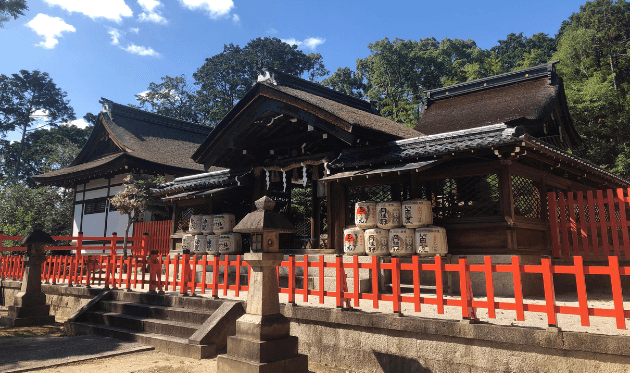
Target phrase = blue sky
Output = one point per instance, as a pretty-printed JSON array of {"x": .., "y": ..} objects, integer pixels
[{"x": 115, "y": 48}]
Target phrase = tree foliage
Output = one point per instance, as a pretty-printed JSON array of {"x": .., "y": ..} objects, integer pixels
[
  {"x": 44, "y": 150},
  {"x": 11, "y": 8},
  {"x": 593, "y": 48},
  {"x": 136, "y": 198},
  {"x": 28, "y": 99},
  {"x": 225, "y": 77},
  {"x": 174, "y": 97}
]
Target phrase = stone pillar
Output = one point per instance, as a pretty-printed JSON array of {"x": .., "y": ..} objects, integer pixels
[
  {"x": 262, "y": 342},
  {"x": 29, "y": 306}
]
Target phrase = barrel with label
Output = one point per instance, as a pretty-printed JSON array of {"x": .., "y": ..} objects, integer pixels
[
  {"x": 200, "y": 244},
  {"x": 401, "y": 241},
  {"x": 431, "y": 241},
  {"x": 365, "y": 214},
  {"x": 376, "y": 242},
  {"x": 194, "y": 226},
  {"x": 230, "y": 243},
  {"x": 417, "y": 213},
  {"x": 212, "y": 244},
  {"x": 188, "y": 241},
  {"x": 207, "y": 224},
  {"x": 223, "y": 223},
  {"x": 354, "y": 241},
  {"x": 388, "y": 215}
]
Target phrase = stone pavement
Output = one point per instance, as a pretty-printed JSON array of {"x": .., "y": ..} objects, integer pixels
[{"x": 38, "y": 353}]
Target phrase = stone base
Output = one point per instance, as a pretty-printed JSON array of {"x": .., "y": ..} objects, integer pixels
[
  {"x": 231, "y": 364},
  {"x": 15, "y": 322}
]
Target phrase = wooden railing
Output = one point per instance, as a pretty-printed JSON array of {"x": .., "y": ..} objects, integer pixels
[
  {"x": 189, "y": 275},
  {"x": 592, "y": 224},
  {"x": 159, "y": 234},
  {"x": 138, "y": 246}
]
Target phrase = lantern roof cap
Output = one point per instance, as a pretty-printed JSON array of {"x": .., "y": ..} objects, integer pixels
[{"x": 264, "y": 219}]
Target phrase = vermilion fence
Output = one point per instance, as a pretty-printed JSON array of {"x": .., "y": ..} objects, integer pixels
[
  {"x": 159, "y": 234},
  {"x": 592, "y": 224},
  {"x": 138, "y": 246},
  {"x": 187, "y": 274}
]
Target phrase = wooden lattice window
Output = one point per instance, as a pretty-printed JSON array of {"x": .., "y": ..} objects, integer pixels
[
  {"x": 463, "y": 197},
  {"x": 527, "y": 202},
  {"x": 185, "y": 212}
]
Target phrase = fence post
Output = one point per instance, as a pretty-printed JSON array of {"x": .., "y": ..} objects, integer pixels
[
  {"x": 338, "y": 280},
  {"x": 396, "y": 284},
  {"x": 1, "y": 239},
  {"x": 112, "y": 250},
  {"x": 615, "y": 280},
  {"x": 183, "y": 288},
  {"x": 468, "y": 312},
  {"x": 145, "y": 244},
  {"x": 77, "y": 252},
  {"x": 291, "y": 281},
  {"x": 550, "y": 294}
]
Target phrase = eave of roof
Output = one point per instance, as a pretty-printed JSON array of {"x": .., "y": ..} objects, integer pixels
[{"x": 201, "y": 181}]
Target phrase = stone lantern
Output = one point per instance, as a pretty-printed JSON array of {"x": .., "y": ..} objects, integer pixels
[
  {"x": 29, "y": 305},
  {"x": 262, "y": 342}
]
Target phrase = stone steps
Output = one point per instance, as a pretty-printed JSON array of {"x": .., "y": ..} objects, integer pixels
[
  {"x": 163, "y": 343},
  {"x": 179, "y": 325}
]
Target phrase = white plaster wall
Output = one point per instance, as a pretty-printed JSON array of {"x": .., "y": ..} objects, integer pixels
[
  {"x": 77, "y": 219},
  {"x": 94, "y": 225}
]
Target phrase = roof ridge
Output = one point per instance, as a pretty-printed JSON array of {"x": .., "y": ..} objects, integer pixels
[
  {"x": 163, "y": 120},
  {"x": 531, "y": 73},
  {"x": 291, "y": 81}
]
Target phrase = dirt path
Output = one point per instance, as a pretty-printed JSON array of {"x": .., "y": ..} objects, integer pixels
[{"x": 143, "y": 362}]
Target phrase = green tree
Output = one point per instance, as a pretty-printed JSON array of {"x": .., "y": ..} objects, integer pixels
[
  {"x": 28, "y": 99},
  {"x": 593, "y": 49},
  {"x": 44, "y": 150},
  {"x": 136, "y": 198},
  {"x": 174, "y": 97},
  {"x": 225, "y": 77},
  {"x": 11, "y": 8},
  {"x": 346, "y": 81},
  {"x": 518, "y": 51}
]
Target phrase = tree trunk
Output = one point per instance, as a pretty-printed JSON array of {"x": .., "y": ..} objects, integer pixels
[{"x": 129, "y": 222}]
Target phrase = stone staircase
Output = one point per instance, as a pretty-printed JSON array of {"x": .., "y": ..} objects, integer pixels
[{"x": 186, "y": 326}]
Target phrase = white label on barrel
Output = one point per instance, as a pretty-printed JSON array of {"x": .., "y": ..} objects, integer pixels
[
  {"x": 362, "y": 215},
  {"x": 395, "y": 243},
  {"x": 382, "y": 216},
  {"x": 372, "y": 244},
  {"x": 408, "y": 214},
  {"x": 224, "y": 245},
  {"x": 349, "y": 242}
]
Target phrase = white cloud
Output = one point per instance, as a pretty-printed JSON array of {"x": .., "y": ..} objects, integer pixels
[
  {"x": 310, "y": 43},
  {"x": 150, "y": 13},
  {"x": 112, "y": 10},
  {"x": 116, "y": 34},
  {"x": 236, "y": 19},
  {"x": 50, "y": 28},
  {"x": 81, "y": 123},
  {"x": 215, "y": 8},
  {"x": 135, "y": 30},
  {"x": 272, "y": 31},
  {"x": 39, "y": 113},
  {"x": 141, "y": 51}
]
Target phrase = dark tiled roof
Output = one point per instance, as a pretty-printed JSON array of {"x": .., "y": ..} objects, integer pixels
[
  {"x": 201, "y": 181},
  {"x": 154, "y": 137},
  {"x": 350, "y": 114},
  {"x": 101, "y": 163},
  {"x": 423, "y": 146},
  {"x": 528, "y": 95}
]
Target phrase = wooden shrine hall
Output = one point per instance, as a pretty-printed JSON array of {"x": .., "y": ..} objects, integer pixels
[{"x": 485, "y": 153}]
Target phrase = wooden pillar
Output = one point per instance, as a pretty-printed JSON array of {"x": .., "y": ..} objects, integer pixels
[
  {"x": 336, "y": 214},
  {"x": 507, "y": 201},
  {"x": 315, "y": 228},
  {"x": 174, "y": 222}
]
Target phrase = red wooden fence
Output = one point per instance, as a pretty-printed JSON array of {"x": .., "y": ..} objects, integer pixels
[
  {"x": 159, "y": 234},
  {"x": 175, "y": 274},
  {"x": 137, "y": 245},
  {"x": 592, "y": 224}
]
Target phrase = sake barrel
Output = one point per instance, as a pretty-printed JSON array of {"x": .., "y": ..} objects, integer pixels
[
  {"x": 212, "y": 244},
  {"x": 417, "y": 213},
  {"x": 207, "y": 224},
  {"x": 365, "y": 214},
  {"x": 200, "y": 243},
  {"x": 188, "y": 241},
  {"x": 230, "y": 243},
  {"x": 223, "y": 223},
  {"x": 401, "y": 241},
  {"x": 376, "y": 242},
  {"x": 354, "y": 241},
  {"x": 194, "y": 227},
  {"x": 431, "y": 241},
  {"x": 388, "y": 215}
]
